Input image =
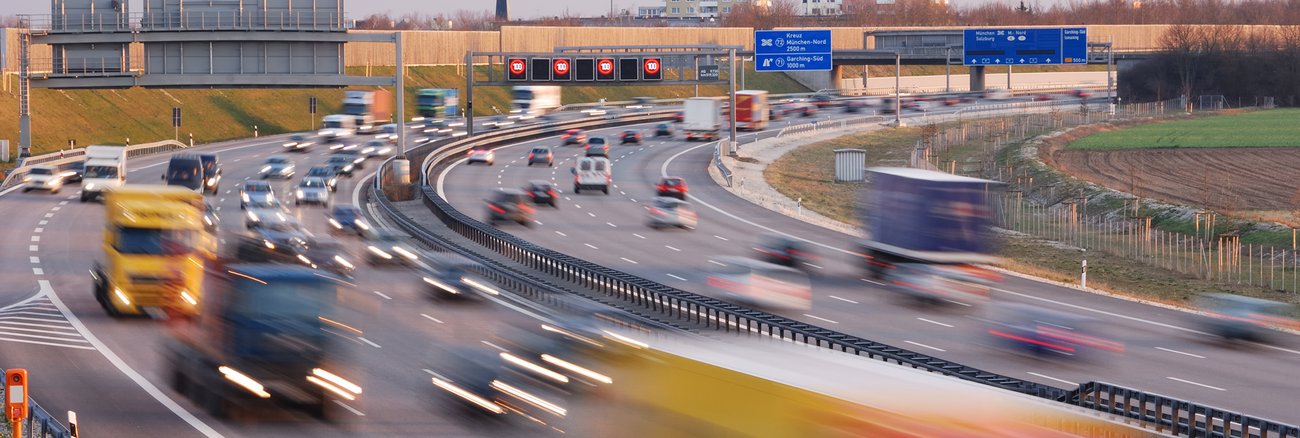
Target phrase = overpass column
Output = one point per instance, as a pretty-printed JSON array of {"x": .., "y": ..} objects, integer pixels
[
  {"x": 976, "y": 78},
  {"x": 837, "y": 74}
]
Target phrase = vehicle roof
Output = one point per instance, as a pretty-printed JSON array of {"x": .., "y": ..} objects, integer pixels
[
  {"x": 751, "y": 263},
  {"x": 312, "y": 178},
  {"x": 670, "y": 200},
  {"x": 320, "y": 168},
  {"x": 266, "y": 273},
  {"x": 673, "y": 178},
  {"x": 928, "y": 175},
  {"x": 539, "y": 182},
  {"x": 254, "y": 182},
  {"x": 510, "y": 191}
]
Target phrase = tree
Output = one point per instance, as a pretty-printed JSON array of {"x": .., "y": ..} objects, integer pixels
[{"x": 779, "y": 13}]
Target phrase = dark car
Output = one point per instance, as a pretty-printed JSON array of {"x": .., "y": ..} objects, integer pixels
[
  {"x": 597, "y": 147},
  {"x": 185, "y": 171},
  {"x": 357, "y": 158},
  {"x": 678, "y": 117},
  {"x": 211, "y": 172},
  {"x": 74, "y": 171},
  {"x": 298, "y": 143},
  {"x": 630, "y": 136},
  {"x": 542, "y": 192},
  {"x": 329, "y": 255},
  {"x": 341, "y": 164},
  {"x": 387, "y": 248},
  {"x": 672, "y": 187},
  {"x": 509, "y": 205},
  {"x": 823, "y": 101},
  {"x": 326, "y": 173},
  {"x": 784, "y": 251},
  {"x": 541, "y": 155},
  {"x": 664, "y": 130},
  {"x": 574, "y": 136},
  {"x": 854, "y": 106},
  {"x": 808, "y": 110},
  {"x": 347, "y": 219}
]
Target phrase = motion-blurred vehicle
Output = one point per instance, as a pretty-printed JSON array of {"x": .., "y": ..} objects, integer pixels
[
  {"x": 104, "y": 169},
  {"x": 541, "y": 155},
  {"x": 1081, "y": 93},
  {"x": 597, "y": 147},
  {"x": 1042, "y": 331},
  {"x": 592, "y": 173},
  {"x": 342, "y": 164},
  {"x": 784, "y": 251},
  {"x": 211, "y": 173},
  {"x": 752, "y": 113},
  {"x": 670, "y": 212},
  {"x": 481, "y": 154},
  {"x": 263, "y": 341},
  {"x": 663, "y": 130},
  {"x": 386, "y": 248},
  {"x": 336, "y": 127},
  {"x": 761, "y": 284},
  {"x": 807, "y": 110},
  {"x": 630, "y": 136},
  {"x": 679, "y": 117},
  {"x": 387, "y": 133},
  {"x": 574, "y": 136},
  {"x": 935, "y": 283},
  {"x": 185, "y": 170},
  {"x": 326, "y": 173},
  {"x": 255, "y": 192},
  {"x": 671, "y": 186},
  {"x": 855, "y": 106},
  {"x": 358, "y": 159},
  {"x": 543, "y": 193},
  {"x": 74, "y": 171},
  {"x": 43, "y": 178},
  {"x": 703, "y": 119},
  {"x": 298, "y": 143},
  {"x": 312, "y": 190},
  {"x": 277, "y": 166},
  {"x": 454, "y": 280},
  {"x": 348, "y": 219},
  {"x": 376, "y": 148},
  {"x": 329, "y": 255},
  {"x": 997, "y": 94},
  {"x": 211, "y": 220},
  {"x": 951, "y": 100},
  {"x": 273, "y": 218},
  {"x": 1042, "y": 97},
  {"x": 437, "y": 102},
  {"x": 824, "y": 101},
  {"x": 1236, "y": 317},
  {"x": 509, "y": 205}
]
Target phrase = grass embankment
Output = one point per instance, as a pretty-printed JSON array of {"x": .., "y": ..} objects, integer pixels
[
  {"x": 144, "y": 115},
  {"x": 1274, "y": 128},
  {"x": 808, "y": 172}
]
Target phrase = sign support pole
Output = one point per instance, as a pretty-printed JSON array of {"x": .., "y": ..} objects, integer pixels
[
  {"x": 898, "y": 95},
  {"x": 731, "y": 91},
  {"x": 469, "y": 94},
  {"x": 947, "y": 69}
]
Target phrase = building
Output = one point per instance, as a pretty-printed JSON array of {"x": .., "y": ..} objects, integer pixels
[
  {"x": 650, "y": 11},
  {"x": 819, "y": 7},
  {"x": 699, "y": 8}
]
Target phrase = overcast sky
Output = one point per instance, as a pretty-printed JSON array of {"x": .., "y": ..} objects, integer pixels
[{"x": 359, "y": 8}]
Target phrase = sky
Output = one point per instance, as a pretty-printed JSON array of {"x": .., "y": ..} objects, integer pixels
[{"x": 357, "y": 8}]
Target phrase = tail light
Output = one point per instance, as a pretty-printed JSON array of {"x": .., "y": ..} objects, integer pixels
[
  {"x": 532, "y": 195},
  {"x": 655, "y": 211},
  {"x": 497, "y": 209},
  {"x": 551, "y": 192},
  {"x": 530, "y": 155}
]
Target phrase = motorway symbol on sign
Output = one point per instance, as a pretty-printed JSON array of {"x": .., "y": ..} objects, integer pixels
[
  {"x": 793, "y": 62},
  {"x": 792, "y": 50}
]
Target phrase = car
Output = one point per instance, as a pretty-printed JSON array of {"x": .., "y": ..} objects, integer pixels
[
  {"x": 454, "y": 281},
  {"x": 855, "y": 106},
  {"x": 783, "y": 250},
  {"x": 281, "y": 234},
  {"x": 951, "y": 100},
  {"x": 270, "y": 216},
  {"x": 312, "y": 190},
  {"x": 542, "y": 192},
  {"x": 298, "y": 143},
  {"x": 935, "y": 283},
  {"x": 759, "y": 284},
  {"x": 387, "y": 132},
  {"x": 255, "y": 192},
  {"x": 574, "y": 136},
  {"x": 808, "y": 110},
  {"x": 823, "y": 101},
  {"x": 277, "y": 166},
  {"x": 348, "y": 219},
  {"x": 387, "y": 248},
  {"x": 358, "y": 160},
  {"x": 541, "y": 155},
  {"x": 670, "y": 212},
  {"x": 678, "y": 117},
  {"x": 483, "y": 155},
  {"x": 630, "y": 136},
  {"x": 210, "y": 218},
  {"x": 775, "y": 113},
  {"x": 74, "y": 171},
  {"x": 341, "y": 164},
  {"x": 1081, "y": 93},
  {"x": 329, "y": 255},
  {"x": 1042, "y": 97},
  {"x": 1234, "y": 318},
  {"x": 43, "y": 178},
  {"x": 663, "y": 130},
  {"x": 1046, "y": 332},
  {"x": 509, "y": 205},
  {"x": 597, "y": 147},
  {"x": 376, "y": 148},
  {"x": 211, "y": 172},
  {"x": 266, "y": 204},
  {"x": 674, "y": 187},
  {"x": 326, "y": 173},
  {"x": 592, "y": 173}
]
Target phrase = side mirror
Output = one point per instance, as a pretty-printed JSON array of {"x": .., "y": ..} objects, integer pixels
[{"x": 573, "y": 170}]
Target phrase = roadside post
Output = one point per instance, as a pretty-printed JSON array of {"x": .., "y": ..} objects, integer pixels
[
  {"x": 1083, "y": 277},
  {"x": 16, "y": 399}
]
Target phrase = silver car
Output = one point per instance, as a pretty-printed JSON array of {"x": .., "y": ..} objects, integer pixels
[
  {"x": 43, "y": 178},
  {"x": 312, "y": 190},
  {"x": 255, "y": 193},
  {"x": 670, "y": 212},
  {"x": 277, "y": 166},
  {"x": 376, "y": 148}
]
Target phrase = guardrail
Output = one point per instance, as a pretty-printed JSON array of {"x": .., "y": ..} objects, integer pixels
[
  {"x": 38, "y": 424},
  {"x": 73, "y": 155},
  {"x": 717, "y": 162},
  {"x": 1173, "y": 415}
]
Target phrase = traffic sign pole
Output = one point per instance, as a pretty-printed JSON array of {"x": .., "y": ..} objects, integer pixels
[{"x": 731, "y": 91}]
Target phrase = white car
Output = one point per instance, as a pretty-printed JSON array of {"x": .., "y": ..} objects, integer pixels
[
  {"x": 277, "y": 166},
  {"x": 376, "y": 148},
  {"x": 312, "y": 190},
  {"x": 481, "y": 155},
  {"x": 43, "y": 178}
]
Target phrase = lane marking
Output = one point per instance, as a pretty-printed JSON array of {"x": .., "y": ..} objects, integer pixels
[
  {"x": 34, "y": 259},
  {"x": 959, "y": 303},
  {"x": 43, "y": 222},
  {"x": 591, "y": 246},
  {"x": 934, "y": 322},
  {"x": 372, "y": 344},
  {"x": 121, "y": 365},
  {"x": 820, "y": 318},
  {"x": 575, "y": 205},
  {"x": 49, "y": 215},
  {"x": 877, "y": 283},
  {"x": 611, "y": 224},
  {"x": 717, "y": 262},
  {"x": 561, "y": 234},
  {"x": 64, "y": 202},
  {"x": 33, "y": 248},
  {"x": 591, "y": 214},
  {"x": 1197, "y": 384},
  {"x": 1067, "y": 382},
  {"x": 494, "y": 345},
  {"x": 538, "y": 222},
  {"x": 918, "y": 344},
  {"x": 844, "y": 299},
  {"x": 629, "y": 260},
  {"x": 349, "y": 408},
  {"x": 36, "y": 238},
  {"x": 38, "y": 271},
  {"x": 720, "y": 237},
  {"x": 56, "y": 208},
  {"x": 381, "y": 294},
  {"x": 638, "y": 236},
  {"x": 39, "y": 230},
  {"x": 426, "y": 316},
  {"x": 674, "y": 249},
  {"x": 674, "y": 276},
  {"x": 815, "y": 266},
  {"x": 1180, "y": 352}
]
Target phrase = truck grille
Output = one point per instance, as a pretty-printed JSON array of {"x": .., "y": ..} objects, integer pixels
[{"x": 150, "y": 279}]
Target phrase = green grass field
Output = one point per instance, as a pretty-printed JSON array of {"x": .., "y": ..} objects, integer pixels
[
  {"x": 112, "y": 116},
  {"x": 1271, "y": 128}
]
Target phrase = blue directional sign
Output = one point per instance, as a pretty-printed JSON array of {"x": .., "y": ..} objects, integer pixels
[
  {"x": 1025, "y": 46},
  {"x": 792, "y": 50}
]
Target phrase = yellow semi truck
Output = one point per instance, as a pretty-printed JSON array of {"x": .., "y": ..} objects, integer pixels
[{"x": 155, "y": 248}]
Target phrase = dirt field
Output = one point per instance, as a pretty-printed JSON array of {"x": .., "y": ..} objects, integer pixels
[{"x": 1225, "y": 179}]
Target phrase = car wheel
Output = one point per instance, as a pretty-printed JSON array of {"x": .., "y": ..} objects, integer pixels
[
  {"x": 605, "y": 190},
  {"x": 577, "y": 189},
  {"x": 83, "y": 197}
]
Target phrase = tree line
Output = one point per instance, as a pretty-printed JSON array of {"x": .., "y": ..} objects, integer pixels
[{"x": 1237, "y": 62}]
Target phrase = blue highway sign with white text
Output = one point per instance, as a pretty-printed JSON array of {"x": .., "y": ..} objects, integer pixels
[
  {"x": 1025, "y": 46},
  {"x": 792, "y": 50}
]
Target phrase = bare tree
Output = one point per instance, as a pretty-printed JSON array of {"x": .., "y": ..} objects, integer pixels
[
  {"x": 779, "y": 13},
  {"x": 473, "y": 20}
]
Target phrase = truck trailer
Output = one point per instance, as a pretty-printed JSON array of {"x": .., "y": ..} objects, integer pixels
[
  {"x": 534, "y": 100},
  {"x": 437, "y": 103},
  {"x": 702, "y": 118},
  {"x": 370, "y": 109},
  {"x": 751, "y": 110}
]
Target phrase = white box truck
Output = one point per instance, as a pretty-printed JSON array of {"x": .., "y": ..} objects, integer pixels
[
  {"x": 105, "y": 170},
  {"x": 534, "y": 100},
  {"x": 702, "y": 118},
  {"x": 337, "y": 126},
  {"x": 370, "y": 108}
]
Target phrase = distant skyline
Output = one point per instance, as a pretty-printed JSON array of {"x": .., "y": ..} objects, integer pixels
[{"x": 519, "y": 9}]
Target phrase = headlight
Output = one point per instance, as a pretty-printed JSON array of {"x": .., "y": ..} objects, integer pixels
[
  {"x": 244, "y": 196},
  {"x": 50, "y": 182},
  {"x": 379, "y": 252},
  {"x": 344, "y": 262},
  {"x": 336, "y": 224},
  {"x": 268, "y": 244},
  {"x": 207, "y": 220},
  {"x": 212, "y": 181},
  {"x": 253, "y": 217},
  {"x": 90, "y": 186},
  {"x": 362, "y": 224},
  {"x": 266, "y": 168},
  {"x": 301, "y": 194},
  {"x": 27, "y": 179}
]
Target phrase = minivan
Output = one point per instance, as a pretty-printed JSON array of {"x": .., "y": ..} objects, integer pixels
[
  {"x": 592, "y": 173},
  {"x": 185, "y": 171}
]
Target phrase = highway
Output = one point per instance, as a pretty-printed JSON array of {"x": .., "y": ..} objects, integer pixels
[
  {"x": 1164, "y": 350},
  {"x": 111, "y": 372}
]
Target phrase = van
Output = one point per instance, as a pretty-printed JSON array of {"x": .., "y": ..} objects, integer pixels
[
  {"x": 185, "y": 171},
  {"x": 592, "y": 173}
]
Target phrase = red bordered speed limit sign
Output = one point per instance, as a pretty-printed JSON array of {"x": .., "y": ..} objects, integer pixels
[
  {"x": 561, "y": 66},
  {"x": 518, "y": 69}
]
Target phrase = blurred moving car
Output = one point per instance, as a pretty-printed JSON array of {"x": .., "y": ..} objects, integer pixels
[
  {"x": 823, "y": 101},
  {"x": 574, "y": 136},
  {"x": 312, "y": 190},
  {"x": 74, "y": 171},
  {"x": 277, "y": 166},
  {"x": 453, "y": 279},
  {"x": 670, "y": 212},
  {"x": 630, "y": 136},
  {"x": 1081, "y": 93},
  {"x": 1043, "y": 331},
  {"x": 934, "y": 283},
  {"x": 298, "y": 143},
  {"x": 678, "y": 117},
  {"x": 855, "y": 106},
  {"x": 509, "y": 205},
  {"x": 211, "y": 220},
  {"x": 43, "y": 178},
  {"x": 543, "y": 192},
  {"x": 388, "y": 248},
  {"x": 329, "y": 255},
  {"x": 783, "y": 250},
  {"x": 273, "y": 218},
  {"x": 663, "y": 130},
  {"x": 592, "y": 173},
  {"x": 376, "y": 148},
  {"x": 807, "y": 110},
  {"x": 254, "y": 191},
  {"x": 348, "y": 219},
  {"x": 597, "y": 147},
  {"x": 481, "y": 154},
  {"x": 541, "y": 155},
  {"x": 671, "y": 186},
  {"x": 760, "y": 284},
  {"x": 326, "y": 173},
  {"x": 1236, "y": 317},
  {"x": 341, "y": 164},
  {"x": 1042, "y": 97},
  {"x": 358, "y": 159}
]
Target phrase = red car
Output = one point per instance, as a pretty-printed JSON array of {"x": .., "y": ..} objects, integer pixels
[
  {"x": 630, "y": 136},
  {"x": 808, "y": 110},
  {"x": 672, "y": 187},
  {"x": 1042, "y": 97},
  {"x": 574, "y": 136},
  {"x": 1081, "y": 93},
  {"x": 678, "y": 117}
]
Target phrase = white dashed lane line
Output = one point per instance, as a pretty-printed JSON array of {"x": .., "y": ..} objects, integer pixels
[
  {"x": 561, "y": 234},
  {"x": 611, "y": 224},
  {"x": 844, "y": 299},
  {"x": 918, "y": 344},
  {"x": 591, "y": 214},
  {"x": 674, "y": 249},
  {"x": 820, "y": 318},
  {"x": 381, "y": 295},
  {"x": 49, "y": 215},
  {"x": 369, "y": 342},
  {"x": 720, "y": 237},
  {"x": 591, "y": 246},
  {"x": 1168, "y": 350},
  {"x": 33, "y": 248},
  {"x": 35, "y": 260},
  {"x": 38, "y": 230},
  {"x": 877, "y": 283},
  {"x": 935, "y": 322},
  {"x": 1189, "y": 382},
  {"x": 1067, "y": 382},
  {"x": 638, "y": 236},
  {"x": 494, "y": 345},
  {"x": 674, "y": 276},
  {"x": 36, "y": 238},
  {"x": 812, "y": 265},
  {"x": 629, "y": 260},
  {"x": 717, "y": 263},
  {"x": 43, "y": 222},
  {"x": 38, "y": 271},
  {"x": 426, "y": 316}
]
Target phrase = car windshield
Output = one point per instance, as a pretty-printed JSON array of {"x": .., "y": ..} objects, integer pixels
[
  {"x": 257, "y": 188},
  {"x": 672, "y": 182},
  {"x": 185, "y": 174},
  {"x": 320, "y": 171},
  {"x": 101, "y": 172},
  {"x": 277, "y": 160},
  {"x": 147, "y": 241},
  {"x": 347, "y": 213},
  {"x": 540, "y": 151},
  {"x": 298, "y": 137},
  {"x": 264, "y": 203},
  {"x": 312, "y": 183},
  {"x": 337, "y": 159},
  {"x": 597, "y": 140},
  {"x": 41, "y": 171},
  {"x": 283, "y": 301},
  {"x": 665, "y": 204}
]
